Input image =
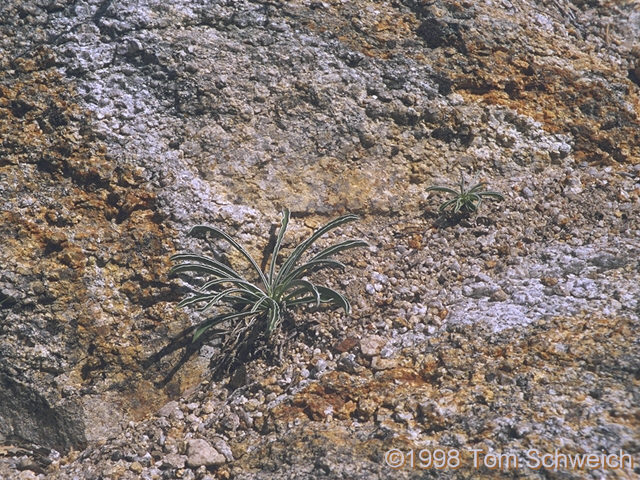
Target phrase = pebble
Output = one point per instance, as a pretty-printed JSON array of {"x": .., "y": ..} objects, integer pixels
[
  {"x": 201, "y": 453},
  {"x": 378, "y": 364},
  {"x": 499, "y": 296},
  {"x": 526, "y": 192},
  {"x": 320, "y": 366},
  {"x": 372, "y": 345},
  {"x": 347, "y": 363},
  {"x": 168, "y": 409},
  {"x": 174, "y": 461}
]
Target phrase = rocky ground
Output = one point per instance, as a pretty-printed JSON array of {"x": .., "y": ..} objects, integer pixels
[{"x": 124, "y": 123}]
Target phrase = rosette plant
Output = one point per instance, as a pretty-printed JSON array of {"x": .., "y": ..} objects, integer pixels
[
  {"x": 261, "y": 302},
  {"x": 465, "y": 201}
]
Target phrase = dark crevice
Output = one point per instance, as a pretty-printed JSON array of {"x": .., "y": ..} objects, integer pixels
[
  {"x": 633, "y": 76},
  {"x": 6, "y": 301}
]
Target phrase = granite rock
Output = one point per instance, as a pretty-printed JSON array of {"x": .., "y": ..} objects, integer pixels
[{"x": 124, "y": 123}]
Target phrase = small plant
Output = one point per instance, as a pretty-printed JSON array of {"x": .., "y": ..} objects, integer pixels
[
  {"x": 256, "y": 307},
  {"x": 465, "y": 201}
]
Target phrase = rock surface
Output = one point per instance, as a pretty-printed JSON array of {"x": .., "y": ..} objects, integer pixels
[{"x": 124, "y": 123}]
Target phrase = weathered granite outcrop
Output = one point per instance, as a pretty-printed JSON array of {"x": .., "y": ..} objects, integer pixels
[
  {"x": 123, "y": 123},
  {"x": 84, "y": 254}
]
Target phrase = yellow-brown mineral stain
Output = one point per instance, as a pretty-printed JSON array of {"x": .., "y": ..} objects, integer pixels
[{"x": 86, "y": 228}]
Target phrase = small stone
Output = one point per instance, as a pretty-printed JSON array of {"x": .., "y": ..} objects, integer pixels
[
  {"x": 403, "y": 417},
  {"x": 200, "y": 452},
  {"x": 173, "y": 460},
  {"x": 372, "y": 345},
  {"x": 367, "y": 140},
  {"x": 383, "y": 415},
  {"x": 136, "y": 467},
  {"x": 26, "y": 475},
  {"x": 347, "y": 363},
  {"x": 38, "y": 287},
  {"x": 168, "y": 409},
  {"x": 607, "y": 261},
  {"x": 177, "y": 414},
  {"x": 431, "y": 414},
  {"x": 478, "y": 290},
  {"x": 346, "y": 344},
  {"x": 221, "y": 446},
  {"x": 380, "y": 278},
  {"x": 527, "y": 192},
  {"x": 28, "y": 463},
  {"x": 318, "y": 408},
  {"x": 320, "y": 365},
  {"x": 498, "y": 296},
  {"x": 415, "y": 241},
  {"x": 156, "y": 454},
  {"x": 378, "y": 363},
  {"x": 366, "y": 407},
  {"x": 231, "y": 422},
  {"x": 387, "y": 351},
  {"x": 560, "y": 291}
]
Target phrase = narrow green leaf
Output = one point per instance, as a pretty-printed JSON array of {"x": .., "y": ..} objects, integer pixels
[
  {"x": 300, "y": 301},
  {"x": 216, "y": 232},
  {"x": 339, "y": 247},
  {"x": 293, "y": 294},
  {"x": 250, "y": 287},
  {"x": 474, "y": 197},
  {"x": 273, "y": 319},
  {"x": 276, "y": 248},
  {"x": 259, "y": 303},
  {"x": 497, "y": 195},
  {"x": 224, "y": 296},
  {"x": 307, "y": 286},
  {"x": 300, "y": 249},
  {"x": 447, "y": 204},
  {"x": 442, "y": 189},
  {"x": 329, "y": 295},
  {"x": 313, "y": 266},
  {"x": 212, "y": 262},
  {"x": 198, "y": 268},
  {"x": 195, "y": 299},
  {"x": 468, "y": 205},
  {"x": 477, "y": 187},
  {"x": 303, "y": 270}
]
